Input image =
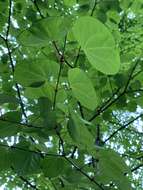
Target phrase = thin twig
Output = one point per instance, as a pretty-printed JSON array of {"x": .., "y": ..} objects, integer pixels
[
  {"x": 103, "y": 107},
  {"x": 57, "y": 155},
  {"x": 130, "y": 76},
  {"x": 61, "y": 54},
  {"x": 18, "y": 123},
  {"x": 94, "y": 6},
  {"x": 81, "y": 109},
  {"x": 73, "y": 152},
  {"x": 30, "y": 151},
  {"x": 54, "y": 186},
  {"x": 122, "y": 127},
  {"x": 28, "y": 183},
  {"x": 137, "y": 167},
  {"x": 77, "y": 57},
  {"x": 11, "y": 61},
  {"x": 37, "y": 7},
  {"x": 85, "y": 174},
  {"x": 57, "y": 84},
  {"x": 61, "y": 142},
  {"x": 9, "y": 19},
  {"x": 109, "y": 103}
]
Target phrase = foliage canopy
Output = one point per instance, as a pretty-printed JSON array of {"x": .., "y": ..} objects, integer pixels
[{"x": 71, "y": 94}]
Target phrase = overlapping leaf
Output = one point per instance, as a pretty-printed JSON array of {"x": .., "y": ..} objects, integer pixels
[
  {"x": 98, "y": 44},
  {"x": 82, "y": 88}
]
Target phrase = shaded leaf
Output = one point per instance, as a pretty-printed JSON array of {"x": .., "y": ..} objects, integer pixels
[{"x": 82, "y": 88}]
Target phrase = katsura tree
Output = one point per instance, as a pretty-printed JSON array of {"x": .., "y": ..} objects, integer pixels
[{"x": 71, "y": 94}]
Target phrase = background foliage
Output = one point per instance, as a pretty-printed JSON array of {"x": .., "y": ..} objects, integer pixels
[{"x": 71, "y": 88}]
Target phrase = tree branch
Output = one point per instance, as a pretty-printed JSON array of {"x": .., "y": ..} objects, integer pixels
[
  {"x": 37, "y": 7},
  {"x": 57, "y": 155},
  {"x": 115, "y": 99},
  {"x": 81, "y": 109},
  {"x": 9, "y": 19},
  {"x": 137, "y": 167},
  {"x": 60, "y": 54},
  {"x": 122, "y": 127},
  {"x": 28, "y": 183},
  {"x": 85, "y": 174},
  {"x": 94, "y": 6},
  {"x": 60, "y": 71},
  {"x": 11, "y": 61},
  {"x": 61, "y": 142},
  {"x": 105, "y": 105},
  {"x": 30, "y": 151},
  {"x": 77, "y": 57},
  {"x": 130, "y": 76},
  {"x": 18, "y": 123}
]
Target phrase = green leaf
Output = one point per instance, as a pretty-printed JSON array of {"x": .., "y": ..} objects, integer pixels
[
  {"x": 70, "y": 2},
  {"x": 8, "y": 127},
  {"x": 48, "y": 114},
  {"x": 23, "y": 160},
  {"x": 79, "y": 132},
  {"x": 39, "y": 70},
  {"x": 46, "y": 90},
  {"x": 98, "y": 44},
  {"x": 5, "y": 98},
  {"x": 53, "y": 166},
  {"x": 82, "y": 88},
  {"x": 45, "y": 30},
  {"x": 5, "y": 161},
  {"x": 112, "y": 168}
]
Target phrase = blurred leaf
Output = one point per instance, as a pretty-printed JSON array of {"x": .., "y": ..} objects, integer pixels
[{"x": 53, "y": 166}]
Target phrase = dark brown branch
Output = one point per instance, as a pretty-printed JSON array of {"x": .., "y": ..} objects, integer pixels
[
  {"x": 136, "y": 90},
  {"x": 16, "y": 85},
  {"x": 77, "y": 57},
  {"x": 11, "y": 61},
  {"x": 2, "y": 37},
  {"x": 122, "y": 127},
  {"x": 30, "y": 151},
  {"x": 130, "y": 76},
  {"x": 137, "y": 167},
  {"x": 9, "y": 19},
  {"x": 37, "y": 7},
  {"x": 68, "y": 63},
  {"x": 73, "y": 152},
  {"x": 81, "y": 109},
  {"x": 60, "y": 54},
  {"x": 84, "y": 173},
  {"x": 28, "y": 183},
  {"x": 61, "y": 182},
  {"x": 57, "y": 84},
  {"x": 18, "y": 123},
  {"x": 54, "y": 186},
  {"x": 61, "y": 142},
  {"x": 98, "y": 140},
  {"x": 105, "y": 105},
  {"x": 94, "y": 6},
  {"x": 57, "y": 155},
  {"x": 109, "y": 103}
]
